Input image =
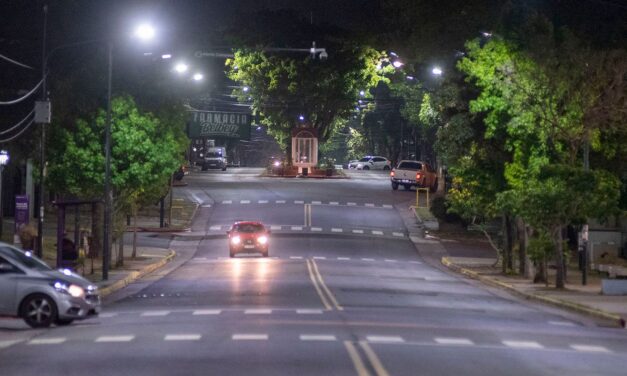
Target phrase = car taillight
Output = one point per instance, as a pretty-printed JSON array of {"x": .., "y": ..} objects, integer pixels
[
  {"x": 262, "y": 239},
  {"x": 418, "y": 176},
  {"x": 392, "y": 173}
]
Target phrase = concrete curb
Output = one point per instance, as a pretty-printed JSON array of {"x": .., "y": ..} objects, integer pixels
[
  {"x": 560, "y": 303},
  {"x": 133, "y": 276}
]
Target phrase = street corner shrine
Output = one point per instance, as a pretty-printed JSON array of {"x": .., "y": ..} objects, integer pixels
[{"x": 213, "y": 124}]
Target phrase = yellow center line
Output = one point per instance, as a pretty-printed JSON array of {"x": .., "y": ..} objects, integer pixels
[
  {"x": 359, "y": 365},
  {"x": 324, "y": 286},
  {"x": 373, "y": 359},
  {"x": 325, "y": 302}
]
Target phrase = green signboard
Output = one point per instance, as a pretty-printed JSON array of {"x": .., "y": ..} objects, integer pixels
[{"x": 216, "y": 124}]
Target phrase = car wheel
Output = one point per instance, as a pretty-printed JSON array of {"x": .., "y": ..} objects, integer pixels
[
  {"x": 386, "y": 168},
  {"x": 366, "y": 168},
  {"x": 38, "y": 311},
  {"x": 231, "y": 254},
  {"x": 407, "y": 187},
  {"x": 63, "y": 322},
  {"x": 394, "y": 186}
]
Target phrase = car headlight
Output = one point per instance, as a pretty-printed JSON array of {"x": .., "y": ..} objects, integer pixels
[
  {"x": 235, "y": 240},
  {"x": 262, "y": 239},
  {"x": 70, "y": 289}
]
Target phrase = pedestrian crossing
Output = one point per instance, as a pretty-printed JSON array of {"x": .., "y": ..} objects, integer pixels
[
  {"x": 303, "y": 202},
  {"x": 221, "y": 229}
]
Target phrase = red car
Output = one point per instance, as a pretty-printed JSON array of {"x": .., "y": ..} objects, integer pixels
[{"x": 248, "y": 237}]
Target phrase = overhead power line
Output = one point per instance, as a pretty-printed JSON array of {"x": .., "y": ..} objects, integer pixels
[
  {"x": 2, "y": 141},
  {"x": 18, "y": 100},
  {"x": 18, "y": 124},
  {"x": 15, "y": 62}
]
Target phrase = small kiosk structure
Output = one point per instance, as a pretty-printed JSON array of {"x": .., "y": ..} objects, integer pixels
[{"x": 304, "y": 149}]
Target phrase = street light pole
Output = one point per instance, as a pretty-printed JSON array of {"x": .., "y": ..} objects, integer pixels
[
  {"x": 4, "y": 159},
  {"x": 106, "y": 244},
  {"x": 42, "y": 145}
]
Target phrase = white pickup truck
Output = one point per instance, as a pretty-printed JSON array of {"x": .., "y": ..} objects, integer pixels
[{"x": 414, "y": 174}]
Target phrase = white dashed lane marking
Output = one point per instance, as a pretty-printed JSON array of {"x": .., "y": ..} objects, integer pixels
[
  {"x": 388, "y": 260},
  {"x": 182, "y": 337},
  {"x": 388, "y": 206},
  {"x": 279, "y": 202},
  {"x": 297, "y": 228},
  {"x": 351, "y": 204},
  {"x": 377, "y": 232},
  {"x": 523, "y": 344},
  {"x": 385, "y": 339},
  {"x": 244, "y": 202},
  {"x": 358, "y": 231},
  {"x": 215, "y": 228},
  {"x": 8, "y": 343},
  {"x": 319, "y": 258},
  {"x": 369, "y": 205},
  {"x": 155, "y": 313},
  {"x": 257, "y": 311},
  {"x": 343, "y": 258},
  {"x": 250, "y": 337},
  {"x": 334, "y": 203},
  {"x": 275, "y": 228},
  {"x": 316, "y": 202},
  {"x": 202, "y": 312},
  {"x": 296, "y": 257},
  {"x": 306, "y": 311},
  {"x": 562, "y": 323},
  {"x": 263, "y": 201},
  {"x": 367, "y": 259},
  {"x": 107, "y": 315},
  {"x": 227, "y": 202},
  {"x": 317, "y": 337},
  {"x": 316, "y": 229},
  {"x": 454, "y": 341},
  {"x": 299, "y": 202},
  {"x": 589, "y": 348},
  {"x": 397, "y": 234},
  {"x": 127, "y": 338},
  {"x": 47, "y": 341},
  {"x": 336, "y": 230}
]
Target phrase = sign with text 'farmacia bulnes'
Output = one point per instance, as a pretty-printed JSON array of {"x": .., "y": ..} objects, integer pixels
[{"x": 214, "y": 124}]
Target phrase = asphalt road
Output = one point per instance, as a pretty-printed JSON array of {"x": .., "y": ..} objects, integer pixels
[{"x": 343, "y": 292}]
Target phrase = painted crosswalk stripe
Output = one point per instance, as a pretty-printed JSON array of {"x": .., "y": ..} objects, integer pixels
[
  {"x": 263, "y": 201},
  {"x": 319, "y": 258},
  {"x": 274, "y": 227},
  {"x": 388, "y": 206},
  {"x": 47, "y": 341},
  {"x": 316, "y": 202},
  {"x": 358, "y": 231},
  {"x": 369, "y": 205},
  {"x": 258, "y": 311},
  {"x": 8, "y": 343},
  {"x": 377, "y": 232},
  {"x": 415, "y": 262},
  {"x": 389, "y": 260},
  {"x": 351, "y": 203},
  {"x": 279, "y": 202},
  {"x": 307, "y": 311},
  {"x": 296, "y": 257},
  {"x": 182, "y": 337},
  {"x": 317, "y": 337},
  {"x": 397, "y": 234},
  {"x": 589, "y": 348},
  {"x": 336, "y": 230},
  {"x": 454, "y": 341},
  {"x": 296, "y": 228},
  {"x": 250, "y": 337},
  {"x": 155, "y": 313},
  {"x": 202, "y": 312},
  {"x": 367, "y": 259},
  {"x": 343, "y": 258},
  {"x": 107, "y": 314},
  {"x": 385, "y": 339},
  {"x": 227, "y": 202},
  {"x": 523, "y": 344},
  {"x": 244, "y": 202},
  {"x": 215, "y": 228},
  {"x": 316, "y": 229},
  {"x": 299, "y": 202},
  {"x": 334, "y": 203},
  {"x": 115, "y": 339}
]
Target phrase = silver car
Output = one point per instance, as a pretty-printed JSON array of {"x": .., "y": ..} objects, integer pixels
[{"x": 42, "y": 296}]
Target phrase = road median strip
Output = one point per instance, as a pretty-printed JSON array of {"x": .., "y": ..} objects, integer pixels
[{"x": 560, "y": 303}]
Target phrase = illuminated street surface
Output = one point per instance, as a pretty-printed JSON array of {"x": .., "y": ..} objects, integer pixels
[{"x": 343, "y": 292}]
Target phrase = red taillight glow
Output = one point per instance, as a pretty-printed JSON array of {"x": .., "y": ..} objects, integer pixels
[
  {"x": 392, "y": 173},
  {"x": 418, "y": 176}
]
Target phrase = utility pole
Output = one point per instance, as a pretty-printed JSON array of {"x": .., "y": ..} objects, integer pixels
[
  {"x": 42, "y": 145},
  {"x": 106, "y": 241}
]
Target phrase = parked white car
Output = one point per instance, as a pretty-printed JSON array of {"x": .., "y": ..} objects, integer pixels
[{"x": 373, "y": 162}]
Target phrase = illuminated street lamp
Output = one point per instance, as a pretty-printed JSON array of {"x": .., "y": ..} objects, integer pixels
[
  {"x": 397, "y": 64},
  {"x": 145, "y": 32},
  {"x": 198, "y": 77},
  {"x": 437, "y": 71},
  {"x": 181, "y": 67},
  {"x": 4, "y": 159}
]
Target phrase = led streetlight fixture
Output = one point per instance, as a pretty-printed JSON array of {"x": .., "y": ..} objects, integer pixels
[
  {"x": 397, "y": 64},
  {"x": 145, "y": 32},
  {"x": 166, "y": 56},
  {"x": 437, "y": 71},
  {"x": 181, "y": 67},
  {"x": 198, "y": 77},
  {"x": 245, "y": 89},
  {"x": 4, "y": 159}
]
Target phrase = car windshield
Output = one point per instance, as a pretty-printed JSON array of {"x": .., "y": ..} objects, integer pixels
[
  {"x": 26, "y": 258},
  {"x": 249, "y": 228},
  {"x": 366, "y": 159},
  {"x": 410, "y": 166}
]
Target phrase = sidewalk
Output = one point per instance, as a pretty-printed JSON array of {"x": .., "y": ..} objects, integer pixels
[{"x": 474, "y": 258}]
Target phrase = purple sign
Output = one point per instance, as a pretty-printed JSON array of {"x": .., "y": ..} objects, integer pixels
[{"x": 21, "y": 211}]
